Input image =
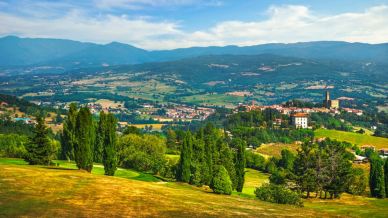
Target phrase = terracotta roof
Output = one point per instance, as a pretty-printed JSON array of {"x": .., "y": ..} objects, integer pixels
[{"x": 299, "y": 115}]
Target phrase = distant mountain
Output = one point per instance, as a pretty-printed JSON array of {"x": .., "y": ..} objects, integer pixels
[{"x": 15, "y": 51}]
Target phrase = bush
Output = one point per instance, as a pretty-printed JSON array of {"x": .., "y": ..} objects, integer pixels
[
  {"x": 221, "y": 183},
  {"x": 142, "y": 152},
  {"x": 12, "y": 145},
  {"x": 254, "y": 161},
  {"x": 278, "y": 194}
]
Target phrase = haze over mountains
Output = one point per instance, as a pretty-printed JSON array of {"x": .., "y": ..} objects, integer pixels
[{"x": 17, "y": 51}]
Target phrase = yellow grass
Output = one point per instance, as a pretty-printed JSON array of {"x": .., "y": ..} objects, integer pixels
[
  {"x": 157, "y": 126},
  {"x": 275, "y": 149},
  {"x": 30, "y": 191},
  {"x": 105, "y": 103},
  {"x": 354, "y": 138}
]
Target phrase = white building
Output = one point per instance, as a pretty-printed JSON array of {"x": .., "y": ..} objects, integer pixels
[{"x": 299, "y": 120}]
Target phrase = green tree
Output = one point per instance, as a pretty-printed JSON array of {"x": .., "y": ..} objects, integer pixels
[
  {"x": 240, "y": 163},
  {"x": 226, "y": 160},
  {"x": 68, "y": 138},
  {"x": 100, "y": 138},
  {"x": 184, "y": 169},
  {"x": 287, "y": 160},
  {"x": 376, "y": 177},
  {"x": 110, "y": 152},
  {"x": 386, "y": 176},
  {"x": 221, "y": 183},
  {"x": 40, "y": 150},
  {"x": 83, "y": 148}
]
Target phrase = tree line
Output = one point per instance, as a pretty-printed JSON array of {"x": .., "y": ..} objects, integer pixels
[{"x": 208, "y": 157}]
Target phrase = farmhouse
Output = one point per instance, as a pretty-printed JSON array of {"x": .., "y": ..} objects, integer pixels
[
  {"x": 383, "y": 152},
  {"x": 364, "y": 147},
  {"x": 299, "y": 120}
]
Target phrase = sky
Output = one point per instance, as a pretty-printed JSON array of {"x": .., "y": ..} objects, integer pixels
[{"x": 169, "y": 24}]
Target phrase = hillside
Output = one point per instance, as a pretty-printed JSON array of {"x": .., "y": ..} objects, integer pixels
[
  {"x": 84, "y": 195},
  {"x": 67, "y": 53},
  {"x": 354, "y": 138},
  {"x": 22, "y": 188}
]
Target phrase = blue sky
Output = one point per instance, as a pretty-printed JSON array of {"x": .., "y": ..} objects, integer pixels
[{"x": 167, "y": 24}]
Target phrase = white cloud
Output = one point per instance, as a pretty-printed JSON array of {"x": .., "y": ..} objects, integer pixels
[
  {"x": 140, "y": 4},
  {"x": 287, "y": 23}
]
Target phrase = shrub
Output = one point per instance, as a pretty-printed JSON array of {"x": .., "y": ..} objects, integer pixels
[
  {"x": 221, "y": 183},
  {"x": 278, "y": 194}
]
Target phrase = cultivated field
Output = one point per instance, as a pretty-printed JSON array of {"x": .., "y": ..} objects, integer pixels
[{"x": 355, "y": 138}]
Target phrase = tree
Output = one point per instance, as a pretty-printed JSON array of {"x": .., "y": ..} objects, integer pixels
[
  {"x": 40, "y": 150},
  {"x": 376, "y": 177},
  {"x": 221, "y": 183},
  {"x": 240, "y": 163},
  {"x": 100, "y": 138},
  {"x": 68, "y": 138},
  {"x": 184, "y": 169},
  {"x": 109, "y": 150},
  {"x": 287, "y": 160},
  {"x": 226, "y": 160},
  {"x": 83, "y": 147},
  {"x": 358, "y": 182},
  {"x": 386, "y": 176},
  {"x": 171, "y": 140}
]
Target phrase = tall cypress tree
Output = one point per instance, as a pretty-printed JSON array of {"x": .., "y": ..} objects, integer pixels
[
  {"x": 240, "y": 163},
  {"x": 376, "y": 180},
  {"x": 68, "y": 137},
  {"x": 184, "y": 171},
  {"x": 109, "y": 150},
  {"x": 226, "y": 160},
  {"x": 83, "y": 148},
  {"x": 40, "y": 150},
  {"x": 386, "y": 177},
  {"x": 99, "y": 143}
]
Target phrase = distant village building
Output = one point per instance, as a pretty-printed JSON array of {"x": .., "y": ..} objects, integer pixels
[
  {"x": 299, "y": 120},
  {"x": 364, "y": 147},
  {"x": 330, "y": 104},
  {"x": 383, "y": 152}
]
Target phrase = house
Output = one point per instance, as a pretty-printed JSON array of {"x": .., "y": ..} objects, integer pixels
[
  {"x": 383, "y": 152},
  {"x": 360, "y": 159},
  {"x": 299, "y": 120},
  {"x": 330, "y": 104},
  {"x": 364, "y": 147}
]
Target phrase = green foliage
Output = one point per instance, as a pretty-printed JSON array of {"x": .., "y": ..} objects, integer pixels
[
  {"x": 278, "y": 177},
  {"x": 68, "y": 136},
  {"x": 107, "y": 132},
  {"x": 226, "y": 159},
  {"x": 386, "y": 176},
  {"x": 376, "y": 177},
  {"x": 40, "y": 150},
  {"x": 184, "y": 167},
  {"x": 278, "y": 194},
  {"x": 254, "y": 161},
  {"x": 287, "y": 160},
  {"x": 240, "y": 163},
  {"x": 358, "y": 182},
  {"x": 12, "y": 145},
  {"x": 142, "y": 152},
  {"x": 85, "y": 136},
  {"x": 221, "y": 183}
]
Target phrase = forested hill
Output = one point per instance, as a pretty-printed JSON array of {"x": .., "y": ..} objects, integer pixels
[{"x": 17, "y": 51}]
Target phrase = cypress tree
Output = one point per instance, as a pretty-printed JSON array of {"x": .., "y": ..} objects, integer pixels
[
  {"x": 109, "y": 152},
  {"x": 99, "y": 143},
  {"x": 376, "y": 180},
  {"x": 83, "y": 148},
  {"x": 386, "y": 177},
  {"x": 68, "y": 137},
  {"x": 184, "y": 171},
  {"x": 240, "y": 163},
  {"x": 40, "y": 151},
  {"x": 226, "y": 160}
]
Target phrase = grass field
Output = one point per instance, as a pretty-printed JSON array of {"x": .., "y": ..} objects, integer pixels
[
  {"x": 33, "y": 191},
  {"x": 157, "y": 126},
  {"x": 355, "y": 138},
  {"x": 275, "y": 149},
  {"x": 37, "y": 191}
]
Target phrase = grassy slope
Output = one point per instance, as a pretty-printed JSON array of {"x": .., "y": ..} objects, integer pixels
[
  {"x": 354, "y": 138},
  {"x": 39, "y": 191},
  {"x": 69, "y": 192}
]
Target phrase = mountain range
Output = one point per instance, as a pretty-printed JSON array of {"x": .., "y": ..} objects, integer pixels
[{"x": 17, "y": 52}]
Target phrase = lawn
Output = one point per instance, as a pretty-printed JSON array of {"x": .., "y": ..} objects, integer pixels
[{"x": 354, "y": 138}]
